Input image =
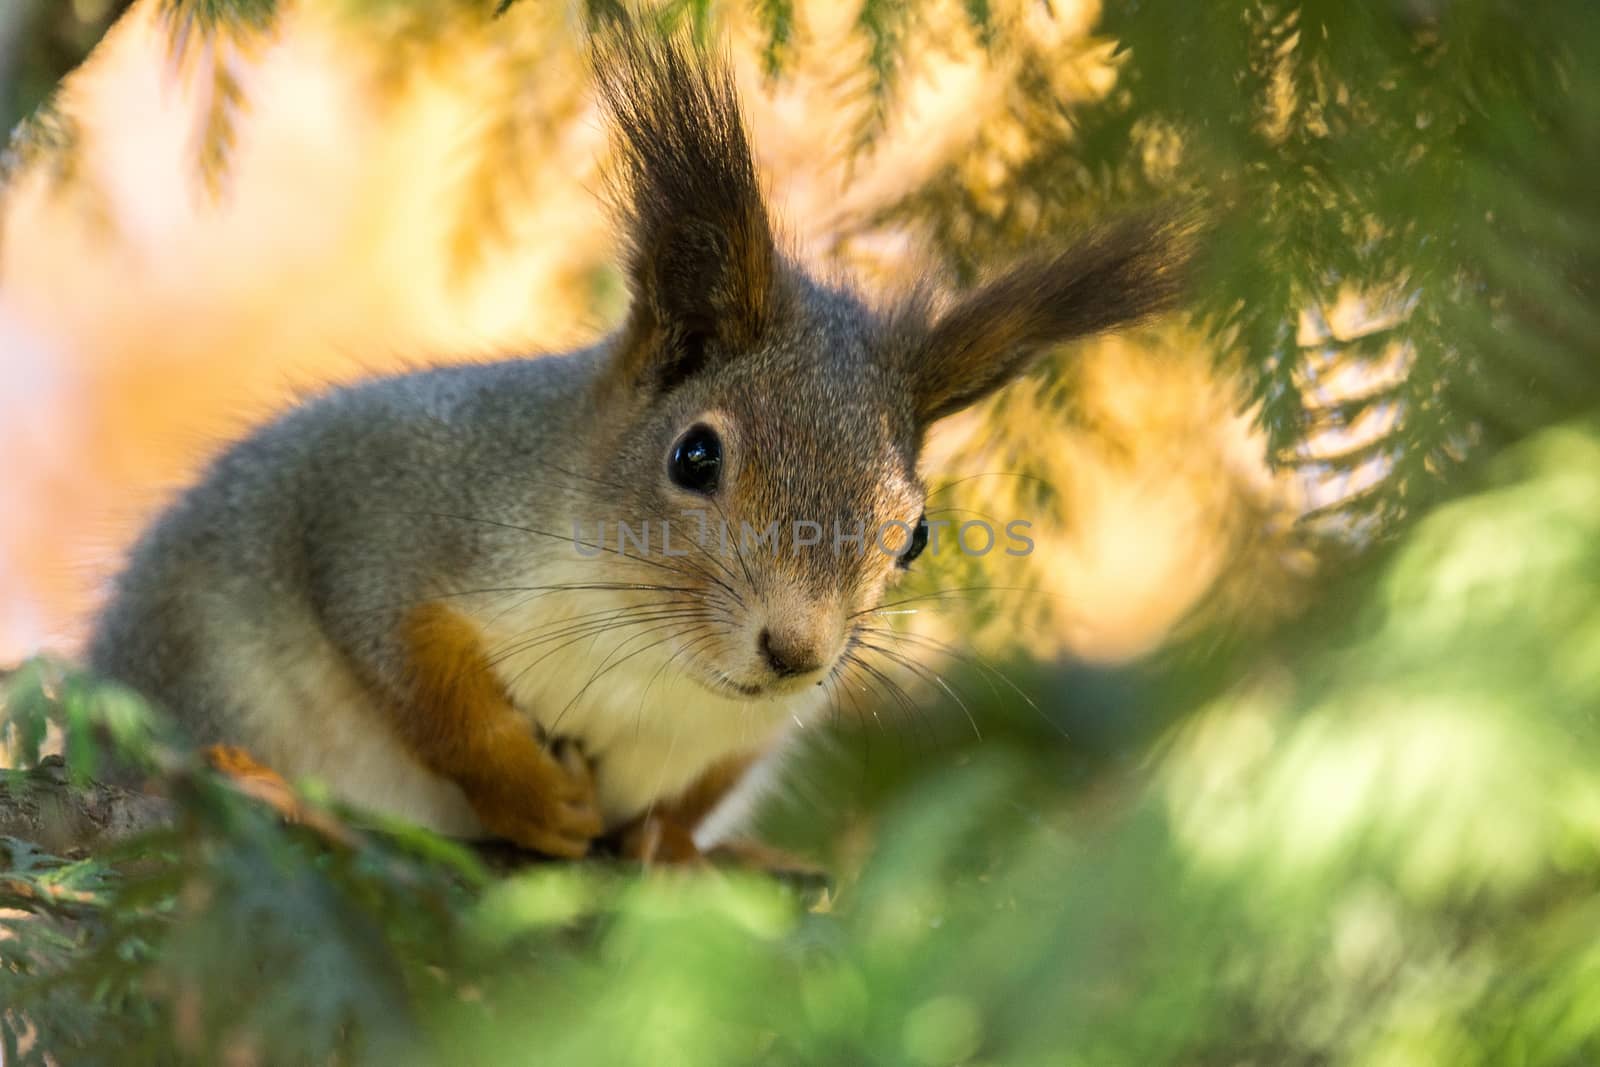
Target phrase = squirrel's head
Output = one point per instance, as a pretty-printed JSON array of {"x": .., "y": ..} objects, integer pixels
[{"x": 764, "y": 427}]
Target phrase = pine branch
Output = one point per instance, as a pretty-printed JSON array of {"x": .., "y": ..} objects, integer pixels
[
  {"x": 884, "y": 24},
  {"x": 207, "y": 40},
  {"x": 776, "y": 18}
]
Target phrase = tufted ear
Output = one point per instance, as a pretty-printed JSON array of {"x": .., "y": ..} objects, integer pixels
[
  {"x": 702, "y": 262},
  {"x": 987, "y": 336}
]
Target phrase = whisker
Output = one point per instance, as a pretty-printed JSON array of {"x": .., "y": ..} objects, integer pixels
[
  {"x": 953, "y": 591},
  {"x": 962, "y": 511},
  {"x": 894, "y": 689},
  {"x": 607, "y": 665},
  {"x": 975, "y": 659},
  {"x": 946, "y": 487},
  {"x": 595, "y": 634},
  {"x": 659, "y": 514},
  {"x": 653, "y": 603},
  {"x": 558, "y": 628},
  {"x": 509, "y": 590},
  {"x": 942, "y": 648},
  {"x": 924, "y": 672},
  {"x": 574, "y": 540},
  {"x": 711, "y": 635},
  {"x": 876, "y": 694},
  {"x": 655, "y": 512},
  {"x": 835, "y": 684},
  {"x": 738, "y": 550}
]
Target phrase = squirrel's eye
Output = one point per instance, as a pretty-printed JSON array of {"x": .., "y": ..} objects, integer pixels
[
  {"x": 919, "y": 541},
  {"x": 696, "y": 461}
]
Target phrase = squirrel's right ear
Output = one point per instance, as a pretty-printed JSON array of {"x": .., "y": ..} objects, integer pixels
[
  {"x": 702, "y": 262},
  {"x": 1112, "y": 276}
]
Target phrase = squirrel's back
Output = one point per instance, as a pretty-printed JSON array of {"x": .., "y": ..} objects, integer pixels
[{"x": 268, "y": 578}]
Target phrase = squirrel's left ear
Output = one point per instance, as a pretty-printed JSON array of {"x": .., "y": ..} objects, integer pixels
[
  {"x": 1118, "y": 274},
  {"x": 702, "y": 262}
]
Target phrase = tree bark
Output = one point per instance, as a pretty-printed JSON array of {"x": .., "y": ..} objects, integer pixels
[{"x": 43, "y": 807}]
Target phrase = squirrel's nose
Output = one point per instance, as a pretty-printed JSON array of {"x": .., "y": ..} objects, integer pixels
[{"x": 788, "y": 655}]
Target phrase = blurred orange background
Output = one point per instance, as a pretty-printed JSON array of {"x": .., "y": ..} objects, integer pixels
[{"x": 375, "y": 208}]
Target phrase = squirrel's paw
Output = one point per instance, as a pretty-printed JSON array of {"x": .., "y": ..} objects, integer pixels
[
  {"x": 656, "y": 839},
  {"x": 547, "y": 804}
]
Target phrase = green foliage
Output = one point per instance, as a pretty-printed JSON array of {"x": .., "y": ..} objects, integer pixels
[
  {"x": 1433, "y": 158},
  {"x": 97, "y": 719},
  {"x": 777, "y": 22},
  {"x": 1384, "y": 854},
  {"x": 883, "y": 23},
  {"x": 39, "y": 43}
]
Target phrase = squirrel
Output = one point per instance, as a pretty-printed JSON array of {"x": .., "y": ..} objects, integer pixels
[{"x": 409, "y": 588}]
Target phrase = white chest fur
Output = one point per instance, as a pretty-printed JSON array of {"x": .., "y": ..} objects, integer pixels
[{"x": 649, "y": 729}]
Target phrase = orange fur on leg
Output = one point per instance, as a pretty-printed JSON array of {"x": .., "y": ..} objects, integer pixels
[
  {"x": 656, "y": 839},
  {"x": 461, "y": 725},
  {"x": 239, "y": 765},
  {"x": 665, "y": 834},
  {"x": 260, "y": 782}
]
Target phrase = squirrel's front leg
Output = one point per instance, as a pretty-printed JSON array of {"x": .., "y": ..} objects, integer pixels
[
  {"x": 664, "y": 835},
  {"x": 460, "y": 723}
]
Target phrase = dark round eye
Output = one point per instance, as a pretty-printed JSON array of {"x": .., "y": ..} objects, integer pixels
[
  {"x": 696, "y": 461},
  {"x": 919, "y": 541}
]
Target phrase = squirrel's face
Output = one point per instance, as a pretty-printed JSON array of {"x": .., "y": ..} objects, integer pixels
[
  {"x": 769, "y": 426},
  {"x": 778, "y": 490}
]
